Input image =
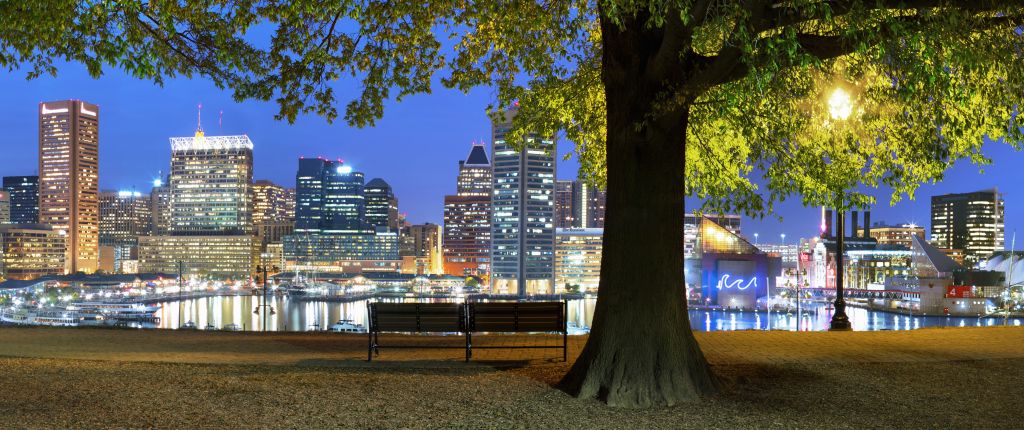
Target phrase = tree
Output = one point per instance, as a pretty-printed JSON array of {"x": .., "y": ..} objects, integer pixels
[{"x": 722, "y": 100}]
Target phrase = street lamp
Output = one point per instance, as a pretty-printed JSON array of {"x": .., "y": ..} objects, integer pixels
[
  {"x": 755, "y": 238},
  {"x": 267, "y": 309},
  {"x": 839, "y": 108}
]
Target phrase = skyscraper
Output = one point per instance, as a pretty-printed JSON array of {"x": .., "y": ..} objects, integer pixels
[
  {"x": 381, "y": 205},
  {"x": 331, "y": 230},
  {"x": 588, "y": 204},
  {"x": 969, "y": 222},
  {"x": 28, "y": 251},
  {"x": 564, "y": 205},
  {"x": 467, "y": 217},
  {"x": 210, "y": 181},
  {"x": 523, "y": 211},
  {"x": 69, "y": 178},
  {"x": 24, "y": 195},
  {"x": 273, "y": 213},
  {"x": 211, "y": 231},
  {"x": 124, "y": 216},
  {"x": 160, "y": 206},
  {"x": 329, "y": 197}
]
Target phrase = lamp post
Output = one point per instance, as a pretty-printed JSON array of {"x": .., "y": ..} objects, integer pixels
[
  {"x": 840, "y": 107},
  {"x": 755, "y": 238},
  {"x": 267, "y": 309}
]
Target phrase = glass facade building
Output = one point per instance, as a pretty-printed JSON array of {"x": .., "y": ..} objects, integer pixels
[
  {"x": 381, "y": 205},
  {"x": 69, "y": 178},
  {"x": 523, "y": 212},
  {"x": 347, "y": 252},
  {"x": 24, "y": 198}
]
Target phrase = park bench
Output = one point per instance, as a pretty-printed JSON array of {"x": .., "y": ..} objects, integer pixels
[
  {"x": 466, "y": 319},
  {"x": 517, "y": 317},
  {"x": 414, "y": 318}
]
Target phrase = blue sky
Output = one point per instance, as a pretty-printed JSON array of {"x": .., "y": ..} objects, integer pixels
[{"x": 416, "y": 147}]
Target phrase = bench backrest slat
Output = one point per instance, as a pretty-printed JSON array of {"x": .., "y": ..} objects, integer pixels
[
  {"x": 417, "y": 317},
  {"x": 517, "y": 316}
]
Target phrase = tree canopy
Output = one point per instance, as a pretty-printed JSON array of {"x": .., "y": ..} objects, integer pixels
[{"x": 928, "y": 78}]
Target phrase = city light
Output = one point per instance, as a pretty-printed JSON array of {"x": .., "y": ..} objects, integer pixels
[{"x": 344, "y": 170}]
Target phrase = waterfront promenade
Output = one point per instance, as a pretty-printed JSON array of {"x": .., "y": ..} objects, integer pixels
[{"x": 61, "y": 378}]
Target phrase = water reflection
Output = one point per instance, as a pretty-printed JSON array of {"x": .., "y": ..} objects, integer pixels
[{"x": 294, "y": 315}]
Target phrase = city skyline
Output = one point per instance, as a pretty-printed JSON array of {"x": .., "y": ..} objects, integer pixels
[{"x": 139, "y": 117}]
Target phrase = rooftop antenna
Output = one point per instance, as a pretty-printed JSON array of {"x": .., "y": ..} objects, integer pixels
[
  {"x": 199, "y": 121},
  {"x": 220, "y": 120}
]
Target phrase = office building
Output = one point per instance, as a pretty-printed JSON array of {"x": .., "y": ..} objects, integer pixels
[
  {"x": 564, "y": 207},
  {"x": 210, "y": 227},
  {"x": 210, "y": 181},
  {"x": 331, "y": 229},
  {"x": 420, "y": 249},
  {"x": 329, "y": 198},
  {"x": 577, "y": 259},
  {"x": 901, "y": 235},
  {"x": 24, "y": 195},
  {"x": 467, "y": 217},
  {"x": 523, "y": 212},
  {"x": 124, "y": 216},
  {"x": 220, "y": 257},
  {"x": 160, "y": 206},
  {"x": 342, "y": 252},
  {"x": 381, "y": 205},
  {"x": 69, "y": 178},
  {"x": 5, "y": 207},
  {"x": 588, "y": 205},
  {"x": 971, "y": 222},
  {"x": 273, "y": 212},
  {"x": 28, "y": 251}
]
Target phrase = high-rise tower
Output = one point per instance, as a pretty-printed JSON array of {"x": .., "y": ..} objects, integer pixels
[
  {"x": 24, "y": 195},
  {"x": 467, "y": 217},
  {"x": 69, "y": 178},
  {"x": 523, "y": 211},
  {"x": 381, "y": 205},
  {"x": 971, "y": 223}
]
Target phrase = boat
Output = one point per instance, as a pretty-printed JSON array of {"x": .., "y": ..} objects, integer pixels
[
  {"x": 121, "y": 311},
  {"x": 54, "y": 317},
  {"x": 210, "y": 327},
  {"x": 188, "y": 326},
  {"x": 347, "y": 326},
  {"x": 232, "y": 327}
]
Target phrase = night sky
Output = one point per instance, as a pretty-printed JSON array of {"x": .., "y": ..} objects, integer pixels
[{"x": 415, "y": 147}]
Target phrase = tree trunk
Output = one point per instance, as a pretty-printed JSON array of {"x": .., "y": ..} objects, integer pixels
[{"x": 641, "y": 351}]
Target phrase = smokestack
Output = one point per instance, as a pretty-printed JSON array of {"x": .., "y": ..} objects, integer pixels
[
  {"x": 867, "y": 224},
  {"x": 828, "y": 223},
  {"x": 853, "y": 224}
]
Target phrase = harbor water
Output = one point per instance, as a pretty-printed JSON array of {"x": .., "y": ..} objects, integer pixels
[{"x": 305, "y": 315}]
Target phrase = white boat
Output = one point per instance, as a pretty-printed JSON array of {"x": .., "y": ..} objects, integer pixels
[
  {"x": 117, "y": 310},
  {"x": 232, "y": 327},
  {"x": 347, "y": 326},
  {"x": 54, "y": 317},
  {"x": 188, "y": 326}
]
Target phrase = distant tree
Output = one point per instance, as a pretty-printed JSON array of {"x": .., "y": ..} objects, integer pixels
[
  {"x": 662, "y": 98},
  {"x": 472, "y": 282}
]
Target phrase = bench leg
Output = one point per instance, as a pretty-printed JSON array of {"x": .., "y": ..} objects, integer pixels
[
  {"x": 469, "y": 346},
  {"x": 369, "y": 345},
  {"x": 565, "y": 345}
]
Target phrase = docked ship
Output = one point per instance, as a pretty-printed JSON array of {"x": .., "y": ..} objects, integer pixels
[
  {"x": 54, "y": 317},
  {"x": 119, "y": 311}
]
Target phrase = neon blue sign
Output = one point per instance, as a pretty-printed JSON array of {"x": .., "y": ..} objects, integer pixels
[{"x": 724, "y": 283}]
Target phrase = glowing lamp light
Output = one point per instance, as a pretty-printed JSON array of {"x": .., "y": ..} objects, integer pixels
[
  {"x": 158, "y": 183},
  {"x": 839, "y": 104},
  {"x": 344, "y": 170}
]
